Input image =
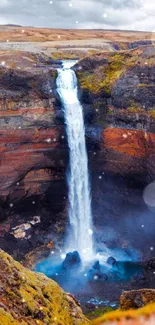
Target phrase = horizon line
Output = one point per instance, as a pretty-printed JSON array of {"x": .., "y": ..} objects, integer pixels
[{"x": 78, "y": 29}]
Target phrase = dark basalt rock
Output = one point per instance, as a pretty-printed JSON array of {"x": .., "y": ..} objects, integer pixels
[
  {"x": 71, "y": 260},
  {"x": 111, "y": 261},
  {"x": 139, "y": 277},
  {"x": 134, "y": 45},
  {"x": 150, "y": 265},
  {"x": 97, "y": 273},
  {"x": 97, "y": 266}
]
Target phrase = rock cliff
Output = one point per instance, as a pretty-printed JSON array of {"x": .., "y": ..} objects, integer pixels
[
  {"x": 33, "y": 151},
  {"x": 117, "y": 93}
]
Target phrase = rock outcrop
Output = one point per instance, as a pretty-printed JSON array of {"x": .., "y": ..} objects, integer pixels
[
  {"x": 117, "y": 93},
  {"x": 137, "y": 298},
  {"x": 29, "y": 298},
  {"x": 33, "y": 150},
  {"x": 142, "y": 300}
]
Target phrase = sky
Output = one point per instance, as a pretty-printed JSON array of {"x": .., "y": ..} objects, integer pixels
[{"x": 106, "y": 14}]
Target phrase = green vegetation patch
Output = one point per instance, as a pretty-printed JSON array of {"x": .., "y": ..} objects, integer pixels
[
  {"x": 122, "y": 315},
  {"x": 99, "y": 311},
  {"x": 30, "y": 298},
  {"x": 104, "y": 77}
]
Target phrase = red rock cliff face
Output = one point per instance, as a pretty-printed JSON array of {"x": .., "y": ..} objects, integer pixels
[
  {"x": 33, "y": 150},
  {"x": 117, "y": 93},
  {"x": 120, "y": 140},
  {"x": 122, "y": 165}
]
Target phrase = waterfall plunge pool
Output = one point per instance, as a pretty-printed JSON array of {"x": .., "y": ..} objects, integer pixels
[{"x": 95, "y": 285}]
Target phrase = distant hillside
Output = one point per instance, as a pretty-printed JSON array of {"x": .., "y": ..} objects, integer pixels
[
  {"x": 13, "y": 25},
  {"x": 15, "y": 33}
]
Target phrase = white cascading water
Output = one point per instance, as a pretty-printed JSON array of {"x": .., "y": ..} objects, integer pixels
[{"x": 80, "y": 236}]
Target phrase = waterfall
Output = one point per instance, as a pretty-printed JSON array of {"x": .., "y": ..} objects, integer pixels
[{"x": 80, "y": 237}]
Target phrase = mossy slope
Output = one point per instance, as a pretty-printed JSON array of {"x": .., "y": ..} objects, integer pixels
[
  {"x": 133, "y": 316},
  {"x": 105, "y": 75},
  {"x": 29, "y": 298}
]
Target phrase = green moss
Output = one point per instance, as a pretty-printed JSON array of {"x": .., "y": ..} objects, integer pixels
[
  {"x": 53, "y": 73},
  {"x": 146, "y": 85},
  {"x": 66, "y": 55},
  {"x": 103, "y": 80},
  {"x": 152, "y": 113},
  {"x": 31, "y": 298},
  {"x": 7, "y": 319},
  {"x": 122, "y": 315},
  {"x": 100, "y": 311},
  {"x": 104, "y": 77},
  {"x": 123, "y": 45},
  {"x": 135, "y": 110},
  {"x": 91, "y": 52}
]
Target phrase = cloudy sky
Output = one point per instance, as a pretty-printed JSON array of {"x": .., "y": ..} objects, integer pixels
[{"x": 109, "y": 14}]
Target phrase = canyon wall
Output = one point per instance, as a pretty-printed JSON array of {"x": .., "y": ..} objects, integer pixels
[
  {"x": 117, "y": 94},
  {"x": 33, "y": 153}
]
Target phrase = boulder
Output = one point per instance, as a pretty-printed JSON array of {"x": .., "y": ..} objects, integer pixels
[
  {"x": 97, "y": 266},
  {"x": 137, "y": 298},
  {"x": 150, "y": 265},
  {"x": 71, "y": 260},
  {"x": 111, "y": 261}
]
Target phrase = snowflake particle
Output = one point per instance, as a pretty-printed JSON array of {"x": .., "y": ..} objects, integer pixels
[
  {"x": 90, "y": 232},
  {"x": 95, "y": 277},
  {"x": 48, "y": 140},
  {"x": 63, "y": 256},
  {"x": 105, "y": 15}
]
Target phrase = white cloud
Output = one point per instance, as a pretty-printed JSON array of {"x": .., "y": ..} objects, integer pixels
[
  {"x": 4, "y": 3},
  {"x": 116, "y": 14}
]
